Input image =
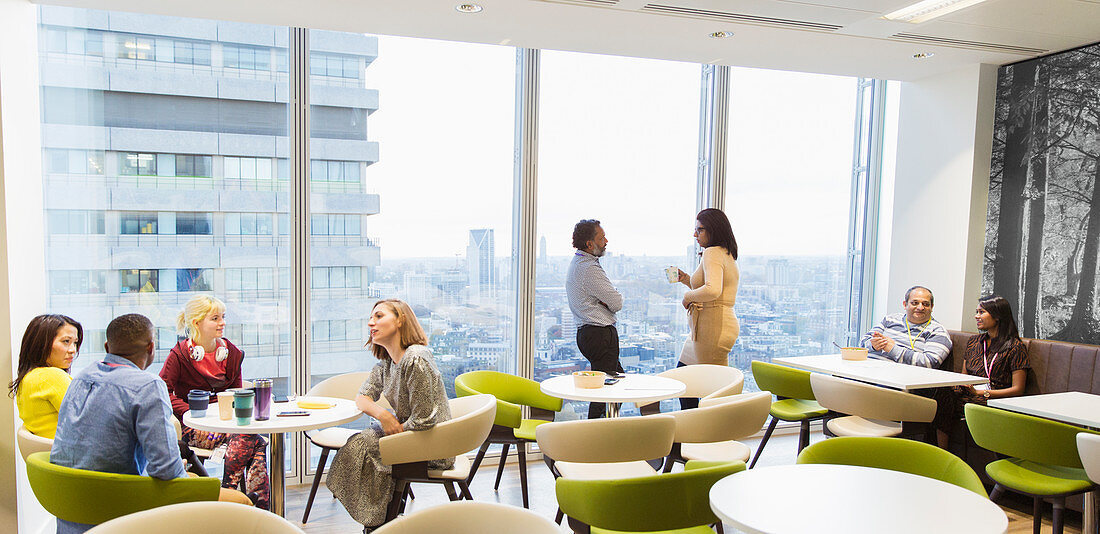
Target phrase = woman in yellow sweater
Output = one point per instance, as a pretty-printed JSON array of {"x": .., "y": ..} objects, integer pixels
[
  {"x": 713, "y": 291},
  {"x": 50, "y": 345}
]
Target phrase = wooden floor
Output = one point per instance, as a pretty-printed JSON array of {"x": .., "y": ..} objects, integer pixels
[{"x": 328, "y": 516}]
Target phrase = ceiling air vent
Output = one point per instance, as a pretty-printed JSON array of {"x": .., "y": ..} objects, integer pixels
[
  {"x": 971, "y": 45},
  {"x": 597, "y": 3},
  {"x": 725, "y": 16}
]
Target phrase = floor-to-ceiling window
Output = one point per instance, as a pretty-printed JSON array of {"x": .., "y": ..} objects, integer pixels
[
  {"x": 618, "y": 142},
  {"x": 788, "y": 179}
]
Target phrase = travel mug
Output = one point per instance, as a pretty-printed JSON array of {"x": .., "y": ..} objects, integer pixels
[
  {"x": 242, "y": 405},
  {"x": 262, "y": 387},
  {"x": 198, "y": 400}
]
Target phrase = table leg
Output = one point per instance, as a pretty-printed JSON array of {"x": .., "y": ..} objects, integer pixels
[
  {"x": 612, "y": 409},
  {"x": 277, "y": 472},
  {"x": 1088, "y": 515}
]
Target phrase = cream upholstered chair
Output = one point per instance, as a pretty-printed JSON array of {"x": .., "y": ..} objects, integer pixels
[
  {"x": 710, "y": 432},
  {"x": 600, "y": 449},
  {"x": 409, "y": 452},
  {"x": 469, "y": 517},
  {"x": 1088, "y": 447},
  {"x": 873, "y": 411},
  {"x": 703, "y": 381},
  {"x": 606, "y": 448},
  {"x": 30, "y": 443},
  {"x": 345, "y": 386},
  {"x": 191, "y": 517}
]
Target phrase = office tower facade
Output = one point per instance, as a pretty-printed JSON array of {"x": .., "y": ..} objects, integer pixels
[
  {"x": 481, "y": 265},
  {"x": 166, "y": 175}
]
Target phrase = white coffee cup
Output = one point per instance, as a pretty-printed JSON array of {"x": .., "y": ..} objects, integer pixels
[{"x": 673, "y": 274}]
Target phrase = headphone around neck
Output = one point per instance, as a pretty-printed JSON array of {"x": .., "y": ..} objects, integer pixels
[{"x": 198, "y": 353}]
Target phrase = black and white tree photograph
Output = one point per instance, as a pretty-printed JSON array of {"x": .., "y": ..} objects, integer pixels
[{"x": 1043, "y": 223}]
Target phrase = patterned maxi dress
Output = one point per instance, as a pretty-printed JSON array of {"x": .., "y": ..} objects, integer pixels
[{"x": 415, "y": 390}]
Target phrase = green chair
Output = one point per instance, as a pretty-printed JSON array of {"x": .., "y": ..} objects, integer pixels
[
  {"x": 94, "y": 497},
  {"x": 795, "y": 400},
  {"x": 1043, "y": 461},
  {"x": 895, "y": 454},
  {"x": 510, "y": 428},
  {"x": 675, "y": 503}
]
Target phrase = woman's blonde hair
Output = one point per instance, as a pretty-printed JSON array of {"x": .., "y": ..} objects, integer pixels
[
  {"x": 197, "y": 309},
  {"x": 407, "y": 327}
]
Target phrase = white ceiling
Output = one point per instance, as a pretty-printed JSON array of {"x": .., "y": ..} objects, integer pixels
[{"x": 845, "y": 37}]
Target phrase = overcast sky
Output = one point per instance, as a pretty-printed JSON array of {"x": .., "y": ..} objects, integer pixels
[{"x": 618, "y": 142}]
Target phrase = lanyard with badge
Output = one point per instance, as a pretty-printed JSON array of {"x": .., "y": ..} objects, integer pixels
[
  {"x": 988, "y": 364},
  {"x": 908, "y": 332}
]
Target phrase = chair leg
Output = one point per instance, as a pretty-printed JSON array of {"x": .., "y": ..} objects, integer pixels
[
  {"x": 316, "y": 482},
  {"x": 669, "y": 462},
  {"x": 462, "y": 485},
  {"x": 405, "y": 499},
  {"x": 718, "y": 528},
  {"x": 1037, "y": 515},
  {"x": 451, "y": 493},
  {"x": 558, "y": 517},
  {"x": 1058, "y": 520},
  {"x": 803, "y": 435},
  {"x": 767, "y": 436},
  {"x": 477, "y": 461},
  {"x": 500, "y": 468},
  {"x": 399, "y": 487},
  {"x": 998, "y": 490},
  {"x": 521, "y": 452}
]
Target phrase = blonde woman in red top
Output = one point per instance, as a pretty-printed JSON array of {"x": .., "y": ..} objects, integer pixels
[{"x": 206, "y": 360}]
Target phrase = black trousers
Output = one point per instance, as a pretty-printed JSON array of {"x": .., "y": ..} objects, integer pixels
[{"x": 600, "y": 346}]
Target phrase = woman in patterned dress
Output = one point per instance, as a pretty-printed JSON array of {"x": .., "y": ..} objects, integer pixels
[{"x": 406, "y": 375}]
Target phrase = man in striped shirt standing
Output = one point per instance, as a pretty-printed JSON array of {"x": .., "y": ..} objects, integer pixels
[
  {"x": 593, "y": 302},
  {"x": 912, "y": 337}
]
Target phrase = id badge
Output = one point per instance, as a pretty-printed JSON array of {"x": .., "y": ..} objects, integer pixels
[{"x": 218, "y": 456}]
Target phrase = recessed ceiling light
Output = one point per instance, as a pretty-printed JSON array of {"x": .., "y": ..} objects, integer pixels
[
  {"x": 928, "y": 10},
  {"x": 468, "y": 8},
  {"x": 721, "y": 35},
  {"x": 923, "y": 55}
]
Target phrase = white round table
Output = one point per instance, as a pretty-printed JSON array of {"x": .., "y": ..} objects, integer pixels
[
  {"x": 631, "y": 388},
  {"x": 344, "y": 411},
  {"x": 849, "y": 499}
]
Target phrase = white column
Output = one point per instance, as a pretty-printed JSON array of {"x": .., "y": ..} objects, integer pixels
[{"x": 945, "y": 139}]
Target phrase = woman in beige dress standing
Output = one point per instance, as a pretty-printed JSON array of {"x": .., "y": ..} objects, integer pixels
[{"x": 710, "y": 301}]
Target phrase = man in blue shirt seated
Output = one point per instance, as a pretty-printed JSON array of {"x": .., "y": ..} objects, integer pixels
[{"x": 115, "y": 417}]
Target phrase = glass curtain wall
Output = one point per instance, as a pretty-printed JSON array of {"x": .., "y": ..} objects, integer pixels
[
  {"x": 618, "y": 142},
  {"x": 160, "y": 150},
  {"x": 411, "y": 183},
  {"x": 788, "y": 181}
]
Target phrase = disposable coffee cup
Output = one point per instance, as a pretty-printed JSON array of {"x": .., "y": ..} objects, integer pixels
[
  {"x": 242, "y": 405},
  {"x": 198, "y": 400},
  {"x": 225, "y": 405},
  {"x": 673, "y": 274}
]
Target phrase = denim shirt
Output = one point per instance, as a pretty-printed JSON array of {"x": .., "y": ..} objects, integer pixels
[{"x": 115, "y": 418}]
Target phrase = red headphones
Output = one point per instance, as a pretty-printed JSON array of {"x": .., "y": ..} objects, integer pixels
[{"x": 198, "y": 353}]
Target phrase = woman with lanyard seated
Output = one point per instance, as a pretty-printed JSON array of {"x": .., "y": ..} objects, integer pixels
[{"x": 998, "y": 354}]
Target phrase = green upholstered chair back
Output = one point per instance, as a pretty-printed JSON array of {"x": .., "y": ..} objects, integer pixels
[
  {"x": 783, "y": 381},
  {"x": 895, "y": 454},
  {"x": 650, "y": 503},
  {"x": 512, "y": 393},
  {"x": 92, "y": 497},
  {"x": 1024, "y": 436}
]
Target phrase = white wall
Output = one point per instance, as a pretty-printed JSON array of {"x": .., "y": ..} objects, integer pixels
[
  {"x": 945, "y": 139},
  {"x": 22, "y": 255}
]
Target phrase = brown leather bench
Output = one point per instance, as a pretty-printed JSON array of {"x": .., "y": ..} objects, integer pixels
[{"x": 1056, "y": 366}]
